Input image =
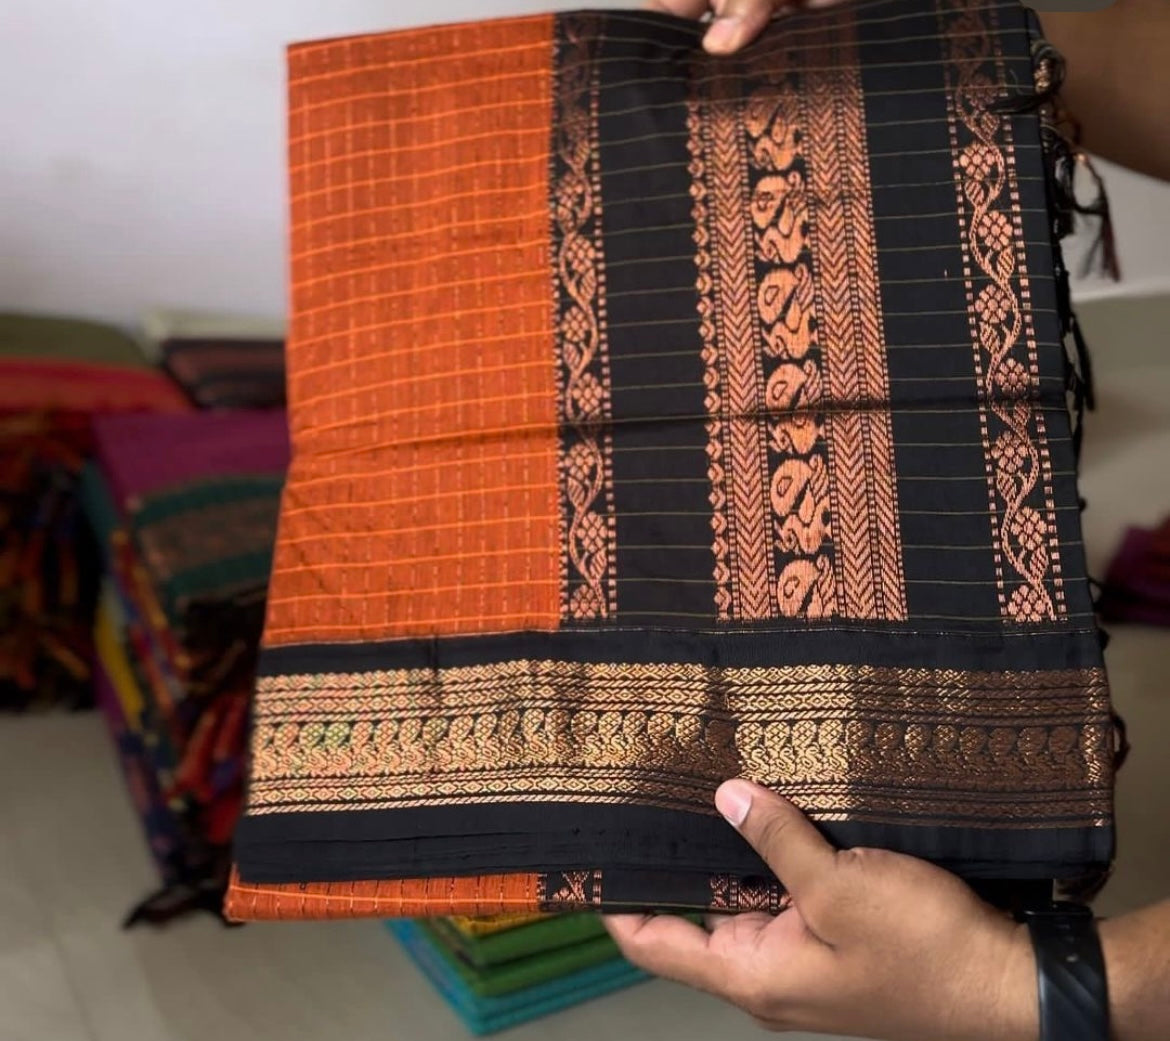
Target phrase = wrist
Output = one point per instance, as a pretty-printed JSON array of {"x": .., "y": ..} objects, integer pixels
[
  {"x": 1012, "y": 1009},
  {"x": 994, "y": 992}
]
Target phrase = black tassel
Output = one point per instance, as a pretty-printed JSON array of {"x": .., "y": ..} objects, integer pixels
[
  {"x": 1103, "y": 251},
  {"x": 175, "y": 901}
]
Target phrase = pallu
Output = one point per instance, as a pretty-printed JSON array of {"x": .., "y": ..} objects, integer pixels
[
  {"x": 486, "y": 1015},
  {"x": 659, "y": 419}
]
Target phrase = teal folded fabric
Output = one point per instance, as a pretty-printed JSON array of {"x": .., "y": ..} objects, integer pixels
[
  {"x": 525, "y": 940},
  {"x": 486, "y": 1015}
]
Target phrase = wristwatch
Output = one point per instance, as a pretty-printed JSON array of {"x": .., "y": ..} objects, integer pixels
[{"x": 1074, "y": 999}]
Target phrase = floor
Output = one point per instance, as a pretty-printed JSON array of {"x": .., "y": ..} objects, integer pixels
[{"x": 71, "y": 857}]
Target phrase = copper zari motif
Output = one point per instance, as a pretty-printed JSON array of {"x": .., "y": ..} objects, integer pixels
[
  {"x": 860, "y": 741},
  {"x": 588, "y": 529},
  {"x": 1019, "y": 468},
  {"x": 805, "y": 516}
]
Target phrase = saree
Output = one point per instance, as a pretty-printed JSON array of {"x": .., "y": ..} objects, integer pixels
[
  {"x": 222, "y": 361},
  {"x": 185, "y": 509},
  {"x": 659, "y": 419},
  {"x": 482, "y": 952},
  {"x": 56, "y": 375}
]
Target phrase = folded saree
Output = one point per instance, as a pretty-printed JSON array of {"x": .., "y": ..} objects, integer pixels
[
  {"x": 485, "y": 1015},
  {"x": 186, "y": 511},
  {"x": 221, "y": 361},
  {"x": 532, "y": 970},
  {"x": 660, "y": 419},
  {"x": 56, "y": 375},
  {"x": 490, "y": 925},
  {"x": 552, "y": 933}
]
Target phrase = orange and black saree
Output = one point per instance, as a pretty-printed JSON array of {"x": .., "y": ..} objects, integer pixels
[{"x": 659, "y": 419}]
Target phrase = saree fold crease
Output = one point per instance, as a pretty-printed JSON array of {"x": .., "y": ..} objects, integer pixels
[{"x": 659, "y": 419}]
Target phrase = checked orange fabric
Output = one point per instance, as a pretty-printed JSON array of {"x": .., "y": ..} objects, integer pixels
[{"x": 419, "y": 178}]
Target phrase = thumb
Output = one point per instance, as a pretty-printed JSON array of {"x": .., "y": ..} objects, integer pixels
[
  {"x": 737, "y": 23},
  {"x": 780, "y": 833}
]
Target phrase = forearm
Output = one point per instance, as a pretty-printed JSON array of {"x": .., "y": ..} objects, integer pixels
[
  {"x": 1137, "y": 964},
  {"x": 1118, "y": 84}
]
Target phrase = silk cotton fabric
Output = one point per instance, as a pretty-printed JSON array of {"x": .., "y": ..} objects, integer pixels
[{"x": 659, "y": 419}]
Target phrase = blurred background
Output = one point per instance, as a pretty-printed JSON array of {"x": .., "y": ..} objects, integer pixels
[{"x": 142, "y": 188}]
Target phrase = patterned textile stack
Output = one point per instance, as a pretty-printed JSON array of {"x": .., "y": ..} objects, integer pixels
[
  {"x": 498, "y": 972},
  {"x": 56, "y": 375},
  {"x": 221, "y": 361},
  {"x": 185, "y": 509}
]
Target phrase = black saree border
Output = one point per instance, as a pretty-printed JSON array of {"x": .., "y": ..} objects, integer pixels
[
  {"x": 461, "y": 842},
  {"x": 988, "y": 648}
]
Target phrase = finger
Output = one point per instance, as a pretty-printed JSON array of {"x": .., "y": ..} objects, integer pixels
[
  {"x": 666, "y": 946},
  {"x": 737, "y": 23},
  {"x": 681, "y": 8},
  {"x": 781, "y": 834}
]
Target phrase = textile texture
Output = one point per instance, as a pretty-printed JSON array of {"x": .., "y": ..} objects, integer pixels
[{"x": 659, "y": 419}]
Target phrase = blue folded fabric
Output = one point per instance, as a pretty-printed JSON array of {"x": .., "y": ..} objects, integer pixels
[{"x": 488, "y": 1015}]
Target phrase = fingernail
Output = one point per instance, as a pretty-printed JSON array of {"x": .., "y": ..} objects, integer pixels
[
  {"x": 734, "y": 800},
  {"x": 723, "y": 34}
]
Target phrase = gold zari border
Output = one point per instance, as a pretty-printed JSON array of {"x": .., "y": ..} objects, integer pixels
[{"x": 1004, "y": 749}]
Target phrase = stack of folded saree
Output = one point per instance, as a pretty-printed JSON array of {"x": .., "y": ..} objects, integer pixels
[
  {"x": 56, "y": 376},
  {"x": 499, "y": 972},
  {"x": 659, "y": 419},
  {"x": 221, "y": 361},
  {"x": 185, "y": 507}
]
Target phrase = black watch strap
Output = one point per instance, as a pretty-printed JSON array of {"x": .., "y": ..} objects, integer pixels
[{"x": 1074, "y": 1000}]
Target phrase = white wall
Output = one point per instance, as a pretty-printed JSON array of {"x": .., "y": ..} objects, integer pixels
[{"x": 141, "y": 161}]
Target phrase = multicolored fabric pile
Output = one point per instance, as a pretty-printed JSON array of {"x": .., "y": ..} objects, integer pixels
[
  {"x": 56, "y": 376},
  {"x": 185, "y": 509},
  {"x": 499, "y": 972}
]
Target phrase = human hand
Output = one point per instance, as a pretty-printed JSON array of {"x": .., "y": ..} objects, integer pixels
[
  {"x": 876, "y": 944},
  {"x": 736, "y": 22}
]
